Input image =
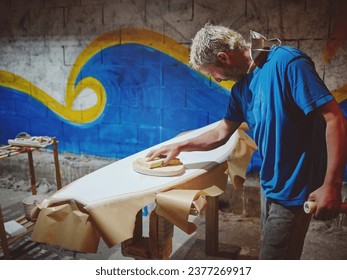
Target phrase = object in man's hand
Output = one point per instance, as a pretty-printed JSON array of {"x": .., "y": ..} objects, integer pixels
[
  {"x": 311, "y": 206},
  {"x": 155, "y": 167}
]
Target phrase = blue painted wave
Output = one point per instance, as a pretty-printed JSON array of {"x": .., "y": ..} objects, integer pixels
[{"x": 151, "y": 97}]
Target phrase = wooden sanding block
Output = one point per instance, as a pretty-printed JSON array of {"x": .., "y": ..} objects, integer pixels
[{"x": 155, "y": 167}]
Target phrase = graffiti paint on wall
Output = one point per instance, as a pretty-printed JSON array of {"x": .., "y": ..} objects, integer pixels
[{"x": 143, "y": 93}]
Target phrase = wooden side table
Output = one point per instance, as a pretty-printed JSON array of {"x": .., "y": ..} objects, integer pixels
[{"x": 12, "y": 150}]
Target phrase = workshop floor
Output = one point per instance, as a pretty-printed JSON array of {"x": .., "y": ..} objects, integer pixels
[{"x": 237, "y": 234}]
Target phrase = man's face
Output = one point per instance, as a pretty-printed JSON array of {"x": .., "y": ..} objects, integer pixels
[{"x": 222, "y": 73}]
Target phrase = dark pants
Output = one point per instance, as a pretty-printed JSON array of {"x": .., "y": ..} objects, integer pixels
[{"x": 283, "y": 231}]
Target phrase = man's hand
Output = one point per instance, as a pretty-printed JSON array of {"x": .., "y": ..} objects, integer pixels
[
  {"x": 169, "y": 152},
  {"x": 207, "y": 141},
  {"x": 328, "y": 199}
]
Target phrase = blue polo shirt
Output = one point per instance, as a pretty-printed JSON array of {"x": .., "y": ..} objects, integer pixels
[{"x": 277, "y": 100}]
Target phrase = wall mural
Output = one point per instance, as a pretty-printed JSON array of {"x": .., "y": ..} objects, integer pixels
[
  {"x": 339, "y": 36},
  {"x": 143, "y": 93}
]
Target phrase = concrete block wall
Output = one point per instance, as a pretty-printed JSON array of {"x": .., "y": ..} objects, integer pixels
[
  {"x": 244, "y": 201},
  {"x": 48, "y": 48}
]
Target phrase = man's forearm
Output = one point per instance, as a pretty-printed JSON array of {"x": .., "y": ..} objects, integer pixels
[
  {"x": 211, "y": 139},
  {"x": 336, "y": 148},
  {"x": 204, "y": 142}
]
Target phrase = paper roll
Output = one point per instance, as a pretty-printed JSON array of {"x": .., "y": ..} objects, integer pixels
[{"x": 311, "y": 206}]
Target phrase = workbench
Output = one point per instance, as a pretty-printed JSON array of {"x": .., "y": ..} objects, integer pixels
[
  {"x": 11, "y": 151},
  {"x": 108, "y": 202}
]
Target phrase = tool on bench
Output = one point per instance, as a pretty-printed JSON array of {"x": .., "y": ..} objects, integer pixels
[{"x": 155, "y": 167}]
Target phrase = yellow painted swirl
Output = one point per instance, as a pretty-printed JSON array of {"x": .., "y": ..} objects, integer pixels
[{"x": 145, "y": 37}]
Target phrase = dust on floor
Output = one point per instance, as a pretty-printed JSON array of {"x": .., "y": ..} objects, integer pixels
[{"x": 324, "y": 241}]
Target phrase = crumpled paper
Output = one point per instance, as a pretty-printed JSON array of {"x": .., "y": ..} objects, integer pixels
[
  {"x": 66, "y": 225},
  {"x": 115, "y": 218},
  {"x": 175, "y": 205},
  {"x": 240, "y": 157}
]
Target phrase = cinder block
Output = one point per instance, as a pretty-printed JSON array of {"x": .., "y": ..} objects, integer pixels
[
  {"x": 36, "y": 110},
  {"x": 73, "y": 145},
  {"x": 48, "y": 21},
  {"x": 175, "y": 75},
  {"x": 141, "y": 115},
  {"x": 7, "y": 105},
  {"x": 184, "y": 119},
  {"x": 145, "y": 76},
  {"x": 78, "y": 16},
  {"x": 173, "y": 97},
  {"x": 152, "y": 96},
  {"x": 168, "y": 133},
  {"x": 109, "y": 134},
  {"x": 148, "y": 136},
  {"x": 45, "y": 127},
  {"x": 90, "y": 135},
  {"x": 62, "y": 3},
  {"x": 337, "y": 65},
  {"x": 131, "y": 96},
  {"x": 252, "y": 200},
  {"x": 18, "y": 124},
  {"x": 125, "y": 150},
  {"x": 180, "y": 10},
  {"x": 123, "y": 12},
  {"x": 201, "y": 99},
  {"x": 111, "y": 115},
  {"x": 305, "y": 19},
  {"x": 245, "y": 201}
]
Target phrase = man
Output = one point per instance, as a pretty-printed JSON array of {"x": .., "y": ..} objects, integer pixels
[{"x": 296, "y": 123}]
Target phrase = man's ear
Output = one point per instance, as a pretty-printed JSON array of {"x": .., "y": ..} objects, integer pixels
[{"x": 223, "y": 58}]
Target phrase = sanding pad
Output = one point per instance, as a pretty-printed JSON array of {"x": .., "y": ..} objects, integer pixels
[{"x": 155, "y": 168}]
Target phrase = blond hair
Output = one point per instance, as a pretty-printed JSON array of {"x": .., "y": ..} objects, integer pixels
[{"x": 209, "y": 41}]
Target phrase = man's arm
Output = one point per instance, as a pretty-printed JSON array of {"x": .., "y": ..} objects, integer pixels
[
  {"x": 328, "y": 196},
  {"x": 209, "y": 140}
]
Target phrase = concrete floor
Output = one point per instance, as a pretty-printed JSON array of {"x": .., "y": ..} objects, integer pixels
[
  {"x": 237, "y": 234},
  {"x": 239, "y": 225},
  {"x": 243, "y": 245}
]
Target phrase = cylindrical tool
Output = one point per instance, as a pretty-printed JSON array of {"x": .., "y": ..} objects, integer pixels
[{"x": 310, "y": 207}]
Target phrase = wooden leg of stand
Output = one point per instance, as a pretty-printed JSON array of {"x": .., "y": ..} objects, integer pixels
[
  {"x": 160, "y": 237},
  {"x": 56, "y": 163},
  {"x": 32, "y": 173},
  {"x": 3, "y": 237},
  {"x": 138, "y": 232},
  {"x": 211, "y": 232},
  {"x": 137, "y": 247}
]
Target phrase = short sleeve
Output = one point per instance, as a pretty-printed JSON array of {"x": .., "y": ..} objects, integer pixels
[
  {"x": 234, "y": 109},
  {"x": 307, "y": 88}
]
